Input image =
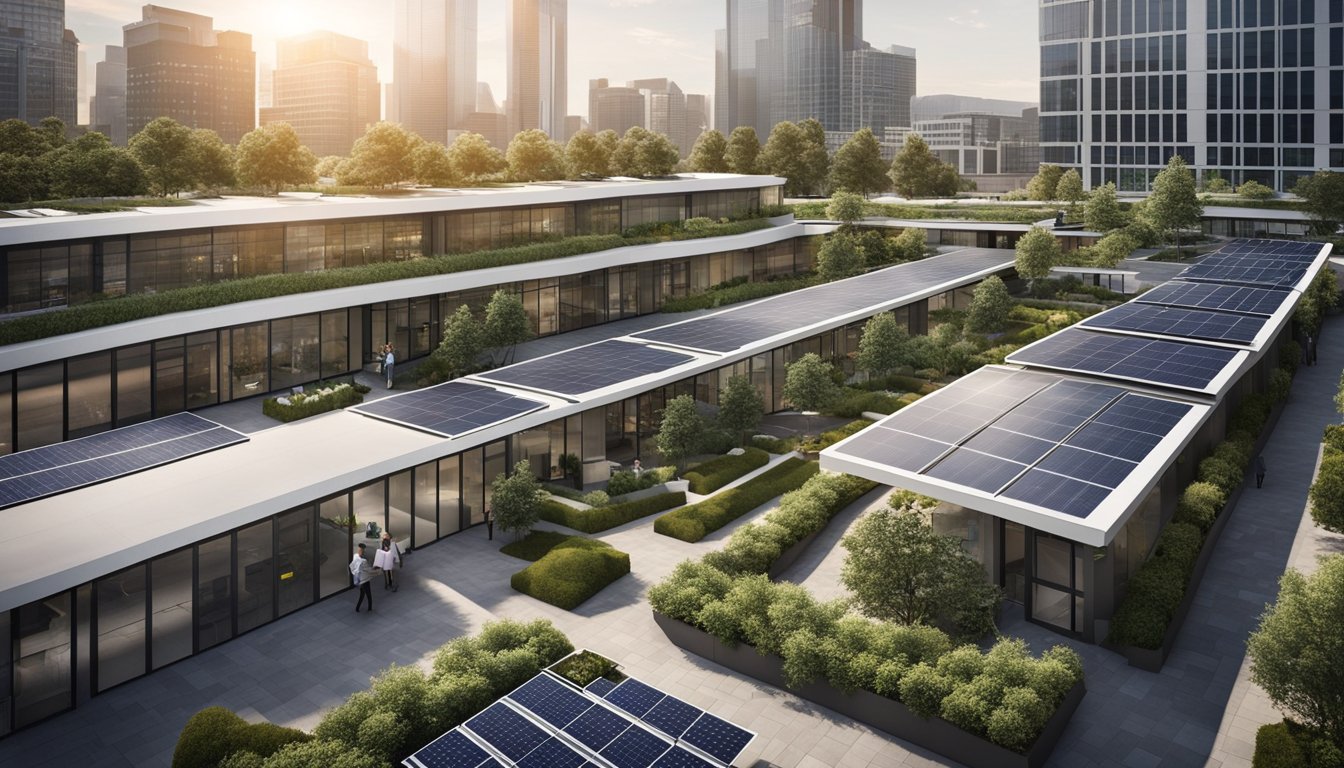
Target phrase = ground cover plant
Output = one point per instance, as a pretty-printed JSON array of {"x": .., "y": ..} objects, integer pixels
[
  {"x": 597, "y": 519},
  {"x": 712, "y": 475},
  {"x": 567, "y": 570}
]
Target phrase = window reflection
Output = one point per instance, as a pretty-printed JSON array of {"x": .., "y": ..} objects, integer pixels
[
  {"x": 121, "y": 626},
  {"x": 171, "y": 605},
  {"x": 42, "y": 661}
]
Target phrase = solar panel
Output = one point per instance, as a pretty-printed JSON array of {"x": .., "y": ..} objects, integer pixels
[
  {"x": 52, "y": 469},
  {"x": 553, "y": 753},
  {"x": 1056, "y": 492},
  {"x": 896, "y": 448},
  {"x": 718, "y": 738},
  {"x": 589, "y": 368},
  {"x": 597, "y": 728},
  {"x": 1107, "y": 471},
  {"x": 636, "y": 748},
  {"x": 1174, "y": 364},
  {"x": 551, "y": 700},
  {"x": 1180, "y": 322},
  {"x": 976, "y": 470},
  {"x": 672, "y": 716},
  {"x": 601, "y": 686},
  {"x": 450, "y": 409},
  {"x": 451, "y": 750},
  {"x": 507, "y": 731},
  {"x": 680, "y": 757},
  {"x": 635, "y": 697},
  {"x": 1226, "y": 298},
  {"x": 1266, "y": 263}
]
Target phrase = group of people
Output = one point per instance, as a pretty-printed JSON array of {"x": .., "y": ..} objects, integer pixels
[
  {"x": 387, "y": 358},
  {"x": 387, "y": 559}
]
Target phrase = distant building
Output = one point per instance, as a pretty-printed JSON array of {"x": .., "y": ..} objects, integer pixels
[
  {"x": 327, "y": 89},
  {"x": 698, "y": 119},
  {"x": 664, "y": 109},
  {"x": 938, "y": 105},
  {"x": 573, "y": 124},
  {"x": 537, "y": 42},
  {"x": 492, "y": 125},
  {"x": 615, "y": 108},
  {"x": 107, "y": 108},
  {"x": 39, "y": 62},
  {"x": 878, "y": 90},
  {"x": 179, "y": 66},
  {"x": 433, "y": 65},
  {"x": 984, "y": 144},
  {"x": 485, "y": 99}
]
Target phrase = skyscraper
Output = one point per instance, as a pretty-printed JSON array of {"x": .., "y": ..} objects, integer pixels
[
  {"x": 107, "y": 110},
  {"x": 433, "y": 65},
  {"x": 538, "y": 53},
  {"x": 38, "y": 62},
  {"x": 1250, "y": 90},
  {"x": 326, "y": 88},
  {"x": 664, "y": 109},
  {"x": 614, "y": 108},
  {"x": 735, "y": 92},
  {"x": 179, "y": 66},
  {"x": 878, "y": 89},
  {"x": 697, "y": 119}
]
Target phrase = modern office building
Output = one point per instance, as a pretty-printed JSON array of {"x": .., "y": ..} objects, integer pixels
[
  {"x": 179, "y": 66},
  {"x": 107, "y": 108},
  {"x": 978, "y": 144},
  {"x": 485, "y": 99},
  {"x": 39, "y": 62},
  {"x": 1252, "y": 91},
  {"x": 492, "y": 125},
  {"x": 326, "y": 88},
  {"x": 615, "y": 108},
  {"x": 433, "y": 65},
  {"x": 698, "y": 119},
  {"x": 938, "y": 105},
  {"x": 878, "y": 88},
  {"x": 537, "y": 64},
  {"x": 664, "y": 109}
]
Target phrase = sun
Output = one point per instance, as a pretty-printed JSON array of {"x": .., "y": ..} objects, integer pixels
[{"x": 290, "y": 18}]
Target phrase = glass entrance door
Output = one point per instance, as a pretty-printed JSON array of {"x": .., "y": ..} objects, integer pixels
[{"x": 1013, "y": 579}]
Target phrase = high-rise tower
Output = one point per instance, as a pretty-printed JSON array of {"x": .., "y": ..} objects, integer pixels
[
  {"x": 538, "y": 51},
  {"x": 433, "y": 65}
]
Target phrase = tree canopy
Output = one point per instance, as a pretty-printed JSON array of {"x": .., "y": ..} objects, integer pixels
[
  {"x": 533, "y": 156},
  {"x": 1102, "y": 212},
  {"x": 1045, "y": 184},
  {"x": 586, "y": 156},
  {"x": 86, "y": 167},
  {"x": 744, "y": 150},
  {"x": 839, "y": 256},
  {"x": 506, "y": 323},
  {"x": 917, "y": 172},
  {"x": 1070, "y": 188},
  {"x": 643, "y": 153},
  {"x": 1322, "y": 194},
  {"x": 461, "y": 346},
  {"x": 212, "y": 160},
  {"x": 433, "y": 166},
  {"x": 857, "y": 166},
  {"x": 382, "y": 157},
  {"x": 1173, "y": 205},
  {"x": 272, "y": 157},
  {"x": 680, "y": 431},
  {"x": 1037, "y": 252},
  {"x": 709, "y": 153},
  {"x": 845, "y": 207},
  {"x": 808, "y": 383},
  {"x": 163, "y": 149},
  {"x": 740, "y": 406},
  {"x": 515, "y": 499},
  {"x": 474, "y": 158},
  {"x": 882, "y": 347},
  {"x": 990, "y": 306}
]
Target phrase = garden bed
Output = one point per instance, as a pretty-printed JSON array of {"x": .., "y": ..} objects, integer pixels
[
  {"x": 569, "y": 570},
  {"x": 597, "y": 519},
  {"x": 712, "y": 475},
  {"x": 696, "y": 521},
  {"x": 322, "y": 399}
]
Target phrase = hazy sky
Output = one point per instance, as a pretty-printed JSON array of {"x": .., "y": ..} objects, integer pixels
[{"x": 971, "y": 47}]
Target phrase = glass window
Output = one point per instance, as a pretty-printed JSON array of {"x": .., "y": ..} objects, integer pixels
[
  {"x": 248, "y": 372},
  {"x": 6, "y": 415},
  {"x": 114, "y": 266},
  {"x": 42, "y": 660},
  {"x": 370, "y": 507},
  {"x": 120, "y": 620},
  {"x": 134, "y": 398},
  {"x": 426, "y": 504},
  {"x": 256, "y": 576},
  {"x": 41, "y": 405},
  {"x": 495, "y": 465},
  {"x": 169, "y": 376},
  {"x": 202, "y": 376},
  {"x": 399, "y": 520},
  {"x": 90, "y": 394},
  {"x": 214, "y": 593},
  {"x": 334, "y": 545},
  {"x": 473, "y": 487},
  {"x": 6, "y": 672},
  {"x": 170, "y": 602},
  {"x": 450, "y": 496},
  {"x": 296, "y": 576},
  {"x": 295, "y": 351}
]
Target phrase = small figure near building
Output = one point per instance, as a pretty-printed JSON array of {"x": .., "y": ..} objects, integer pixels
[
  {"x": 363, "y": 578},
  {"x": 1259, "y": 471},
  {"x": 490, "y": 523}
]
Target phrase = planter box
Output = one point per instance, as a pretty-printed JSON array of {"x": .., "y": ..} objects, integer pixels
[
  {"x": 885, "y": 714},
  {"x": 671, "y": 486},
  {"x": 790, "y": 556}
]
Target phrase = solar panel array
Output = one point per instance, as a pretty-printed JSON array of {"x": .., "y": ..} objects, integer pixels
[
  {"x": 53, "y": 469},
  {"x": 1227, "y": 298},
  {"x": 449, "y": 409},
  {"x": 1226, "y": 327},
  {"x": 1058, "y": 444},
  {"x": 589, "y": 368},
  {"x": 546, "y": 722},
  {"x": 1130, "y": 358},
  {"x": 1261, "y": 263},
  {"x": 733, "y": 329}
]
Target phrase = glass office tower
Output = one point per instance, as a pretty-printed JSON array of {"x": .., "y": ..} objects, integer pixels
[
  {"x": 433, "y": 66},
  {"x": 538, "y": 52},
  {"x": 38, "y": 58}
]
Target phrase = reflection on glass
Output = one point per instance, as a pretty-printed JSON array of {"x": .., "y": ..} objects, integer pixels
[
  {"x": 1052, "y": 607},
  {"x": 248, "y": 370},
  {"x": 426, "y": 504},
  {"x": 295, "y": 575},
  {"x": 1014, "y": 561},
  {"x": 90, "y": 394},
  {"x": 202, "y": 369},
  {"x": 42, "y": 661},
  {"x": 256, "y": 576},
  {"x": 171, "y": 606},
  {"x": 169, "y": 376},
  {"x": 41, "y": 405},
  {"x": 450, "y": 496},
  {"x": 473, "y": 488},
  {"x": 334, "y": 547},
  {"x": 214, "y": 597},
  {"x": 121, "y": 626},
  {"x": 399, "y": 506}
]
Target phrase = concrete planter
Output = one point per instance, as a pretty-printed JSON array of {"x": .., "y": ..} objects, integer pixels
[
  {"x": 779, "y": 221},
  {"x": 885, "y": 714},
  {"x": 790, "y": 556},
  {"x": 671, "y": 486}
]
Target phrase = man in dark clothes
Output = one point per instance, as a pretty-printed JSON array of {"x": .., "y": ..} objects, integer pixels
[{"x": 1259, "y": 471}]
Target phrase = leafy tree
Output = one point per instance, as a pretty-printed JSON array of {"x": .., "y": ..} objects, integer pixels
[
  {"x": 326, "y": 166},
  {"x": 839, "y": 256},
  {"x": 461, "y": 346},
  {"x": 643, "y": 153},
  {"x": 515, "y": 499},
  {"x": 212, "y": 160},
  {"x": 1037, "y": 252},
  {"x": 845, "y": 207},
  {"x": 1045, "y": 184},
  {"x": 1113, "y": 249},
  {"x": 1214, "y": 183},
  {"x": 744, "y": 150},
  {"x": 1254, "y": 190},
  {"x": 1173, "y": 204},
  {"x": 816, "y": 160},
  {"x": 1070, "y": 188},
  {"x": 474, "y": 158},
  {"x": 883, "y": 345},
  {"x": 1322, "y": 194},
  {"x": 163, "y": 149},
  {"x": 899, "y": 569},
  {"x": 1327, "y": 492},
  {"x": 91, "y": 167},
  {"x": 506, "y": 324},
  {"x": 784, "y": 155},
  {"x": 24, "y": 178},
  {"x": 609, "y": 140},
  {"x": 52, "y": 130},
  {"x": 21, "y": 139},
  {"x": 917, "y": 172},
  {"x": 990, "y": 305},
  {"x": 586, "y": 156},
  {"x": 1295, "y": 652},
  {"x": 681, "y": 430},
  {"x": 910, "y": 244},
  {"x": 432, "y": 164},
  {"x": 272, "y": 157},
  {"x": 708, "y": 154},
  {"x": 858, "y": 167},
  {"x": 382, "y": 157},
  {"x": 740, "y": 406},
  {"x": 809, "y": 385},
  {"x": 534, "y": 156},
  {"x": 1102, "y": 212}
]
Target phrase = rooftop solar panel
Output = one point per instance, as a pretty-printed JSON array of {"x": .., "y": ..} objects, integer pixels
[
  {"x": 552, "y": 753},
  {"x": 896, "y": 448},
  {"x": 597, "y": 727},
  {"x": 672, "y": 716},
  {"x": 1107, "y": 471},
  {"x": 636, "y": 748},
  {"x": 1175, "y": 364},
  {"x": 1212, "y": 296},
  {"x": 1179, "y": 322},
  {"x": 1056, "y": 492},
  {"x": 680, "y": 757},
  {"x": 601, "y": 686},
  {"x": 53, "y": 469},
  {"x": 589, "y": 368},
  {"x": 451, "y": 750},
  {"x": 1265, "y": 263},
  {"x": 551, "y": 700},
  {"x": 450, "y": 409},
  {"x": 976, "y": 470},
  {"x": 718, "y": 738},
  {"x": 635, "y": 697},
  {"x": 507, "y": 731}
]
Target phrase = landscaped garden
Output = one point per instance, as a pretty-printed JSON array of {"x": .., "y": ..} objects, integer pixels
[{"x": 565, "y": 570}]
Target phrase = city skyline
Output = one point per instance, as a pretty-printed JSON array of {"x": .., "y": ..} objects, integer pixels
[{"x": 633, "y": 39}]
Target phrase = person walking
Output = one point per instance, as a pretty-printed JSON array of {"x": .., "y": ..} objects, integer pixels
[
  {"x": 389, "y": 360},
  {"x": 389, "y": 559},
  {"x": 1259, "y": 471},
  {"x": 363, "y": 578},
  {"x": 490, "y": 523}
]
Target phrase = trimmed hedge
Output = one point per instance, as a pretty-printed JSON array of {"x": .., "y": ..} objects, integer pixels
[
  {"x": 716, "y": 473},
  {"x": 1287, "y": 744},
  {"x": 853, "y": 403},
  {"x": 535, "y": 545},
  {"x": 572, "y": 572},
  {"x": 214, "y": 733},
  {"x": 599, "y": 519},
  {"x": 312, "y": 403},
  {"x": 832, "y": 436},
  {"x": 694, "y": 522},
  {"x": 626, "y": 481},
  {"x": 735, "y": 292}
]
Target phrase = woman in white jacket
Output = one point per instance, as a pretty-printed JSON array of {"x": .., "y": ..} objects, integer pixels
[{"x": 389, "y": 559}]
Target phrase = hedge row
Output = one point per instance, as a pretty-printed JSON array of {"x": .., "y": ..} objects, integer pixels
[
  {"x": 825, "y": 440},
  {"x": 125, "y": 309},
  {"x": 853, "y": 403},
  {"x": 404, "y": 708},
  {"x": 735, "y": 292},
  {"x": 311, "y": 404},
  {"x": 571, "y": 572},
  {"x": 1286, "y": 744},
  {"x": 755, "y": 547},
  {"x": 716, "y": 473},
  {"x": 599, "y": 519},
  {"x": 1004, "y": 694},
  {"x": 694, "y": 522},
  {"x": 626, "y": 481},
  {"x": 214, "y": 733}
]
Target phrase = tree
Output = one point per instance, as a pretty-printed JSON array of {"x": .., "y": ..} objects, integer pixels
[
  {"x": 1173, "y": 205},
  {"x": 474, "y": 158},
  {"x": 1327, "y": 491},
  {"x": 87, "y": 167},
  {"x": 586, "y": 156},
  {"x": 740, "y": 406},
  {"x": 917, "y": 172},
  {"x": 1044, "y": 185},
  {"x": 272, "y": 157},
  {"x": 744, "y": 149},
  {"x": 21, "y": 139},
  {"x": 432, "y": 164},
  {"x": 461, "y": 346},
  {"x": 643, "y": 153},
  {"x": 858, "y": 167},
  {"x": 845, "y": 207},
  {"x": 1037, "y": 252},
  {"x": 1102, "y": 212},
  {"x": 1254, "y": 190},
  {"x": 533, "y": 156},
  {"x": 1323, "y": 196},
  {"x": 23, "y": 178},
  {"x": 52, "y": 130},
  {"x": 163, "y": 149},
  {"x": 839, "y": 256},
  {"x": 1295, "y": 652},
  {"x": 1113, "y": 249},
  {"x": 382, "y": 157},
  {"x": 1070, "y": 188},
  {"x": 506, "y": 324},
  {"x": 784, "y": 155},
  {"x": 515, "y": 499},
  {"x": 816, "y": 160},
  {"x": 609, "y": 140},
  {"x": 990, "y": 305},
  {"x": 326, "y": 166},
  {"x": 708, "y": 154},
  {"x": 899, "y": 569},
  {"x": 882, "y": 347},
  {"x": 681, "y": 430},
  {"x": 1214, "y": 183},
  {"x": 212, "y": 161},
  {"x": 808, "y": 384}
]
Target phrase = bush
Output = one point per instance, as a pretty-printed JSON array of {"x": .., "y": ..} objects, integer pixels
[
  {"x": 854, "y": 403},
  {"x": 1333, "y": 439},
  {"x": 603, "y": 518},
  {"x": 1275, "y": 747},
  {"x": 1157, "y": 588},
  {"x": 569, "y": 575},
  {"x": 1199, "y": 504},
  {"x": 735, "y": 291},
  {"x": 831, "y": 437},
  {"x": 214, "y": 733},
  {"x": 535, "y": 545},
  {"x": 585, "y": 666},
  {"x": 1221, "y": 472},
  {"x": 595, "y": 498},
  {"x": 320, "y": 400},
  {"x": 1327, "y": 493},
  {"x": 692, "y": 523},
  {"x": 716, "y": 473}
]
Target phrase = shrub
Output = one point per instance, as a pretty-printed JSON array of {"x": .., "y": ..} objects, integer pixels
[
  {"x": 692, "y": 523},
  {"x": 214, "y": 733},
  {"x": 1327, "y": 493},
  {"x": 535, "y": 545},
  {"x": 320, "y": 400},
  {"x": 1199, "y": 504},
  {"x": 569, "y": 575},
  {"x": 604, "y": 518},
  {"x": 1280, "y": 383},
  {"x": 854, "y": 403},
  {"x": 1333, "y": 439},
  {"x": 739, "y": 290},
  {"x": 1220, "y": 472},
  {"x": 1157, "y": 588},
  {"x": 1017, "y": 722},
  {"x": 596, "y": 498},
  {"x": 1275, "y": 747},
  {"x": 716, "y": 473},
  {"x": 585, "y": 666},
  {"x": 923, "y": 689}
]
